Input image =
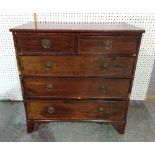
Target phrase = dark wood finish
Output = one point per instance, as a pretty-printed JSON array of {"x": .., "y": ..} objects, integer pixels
[
  {"x": 33, "y": 43},
  {"x": 76, "y": 109},
  {"x": 96, "y": 28},
  {"x": 77, "y": 72},
  {"x": 105, "y": 66},
  {"x": 77, "y": 87},
  {"x": 119, "y": 126},
  {"x": 97, "y": 44},
  {"x": 135, "y": 62},
  {"x": 30, "y": 126}
]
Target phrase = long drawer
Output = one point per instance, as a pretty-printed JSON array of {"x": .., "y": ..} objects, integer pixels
[
  {"x": 107, "y": 44},
  {"x": 77, "y": 65},
  {"x": 76, "y": 110},
  {"x": 43, "y": 43},
  {"x": 76, "y": 87}
]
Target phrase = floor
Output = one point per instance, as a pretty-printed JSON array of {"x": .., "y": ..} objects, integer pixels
[{"x": 140, "y": 126}]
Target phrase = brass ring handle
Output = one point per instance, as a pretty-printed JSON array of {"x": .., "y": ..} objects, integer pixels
[
  {"x": 46, "y": 43},
  {"x": 100, "y": 109},
  {"x": 108, "y": 44},
  {"x": 50, "y": 110},
  {"x": 48, "y": 66},
  {"x": 104, "y": 66},
  {"x": 49, "y": 87},
  {"x": 103, "y": 89},
  {"x": 75, "y": 72}
]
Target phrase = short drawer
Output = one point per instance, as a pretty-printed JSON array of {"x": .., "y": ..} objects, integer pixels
[
  {"x": 45, "y": 43},
  {"x": 76, "y": 110},
  {"x": 77, "y": 66},
  {"x": 107, "y": 44},
  {"x": 76, "y": 87}
]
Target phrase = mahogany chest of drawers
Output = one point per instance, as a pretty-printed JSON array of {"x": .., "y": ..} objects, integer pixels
[{"x": 76, "y": 72}]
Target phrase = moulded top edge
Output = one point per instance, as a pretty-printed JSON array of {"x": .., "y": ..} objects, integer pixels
[{"x": 76, "y": 27}]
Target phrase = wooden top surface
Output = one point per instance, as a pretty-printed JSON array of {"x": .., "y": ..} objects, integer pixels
[{"x": 76, "y": 27}]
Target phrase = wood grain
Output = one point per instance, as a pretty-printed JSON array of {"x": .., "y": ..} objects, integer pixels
[
  {"x": 77, "y": 87},
  {"x": 105, "y": 66},
  {"x": 96, "y": 44},
  {"x": 77, "y": 110},
  {"x": 32, "y": 43}
]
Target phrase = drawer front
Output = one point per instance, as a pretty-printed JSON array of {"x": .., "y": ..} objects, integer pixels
[
  {"x": 76, "y": 87},
  {"x": 45, "y": 42},
  {"x": 76, "y": 110},
  {"x": 107, "y": 44},
  {"x": 77, "y": 65}
]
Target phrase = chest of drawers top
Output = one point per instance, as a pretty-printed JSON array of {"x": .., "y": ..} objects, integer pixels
[{"x": 77, "y": 27}]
